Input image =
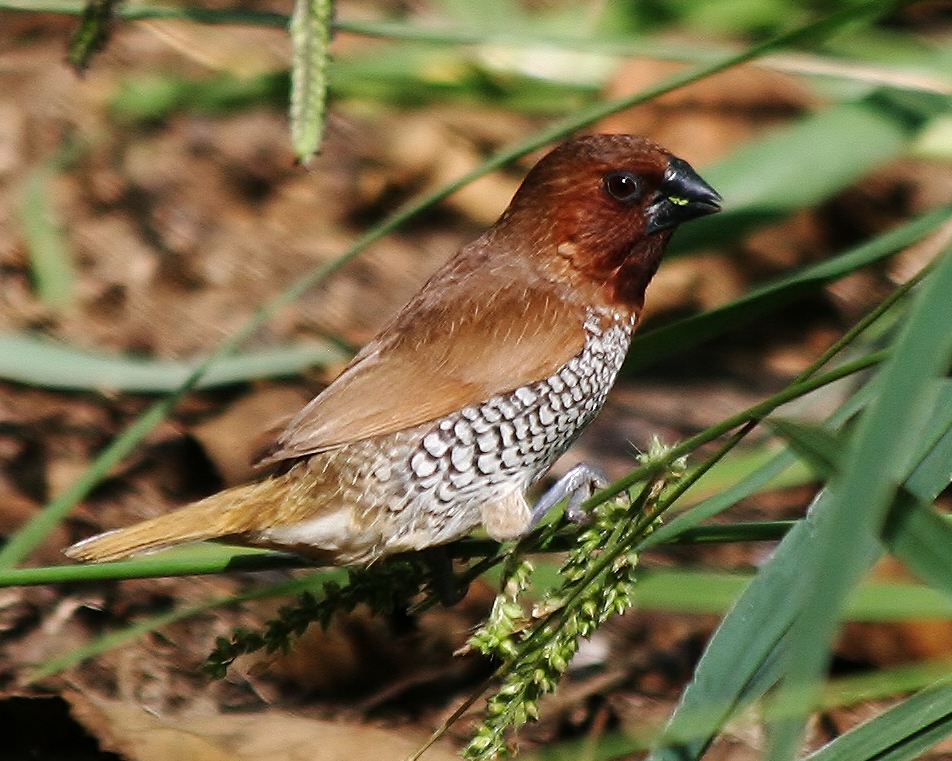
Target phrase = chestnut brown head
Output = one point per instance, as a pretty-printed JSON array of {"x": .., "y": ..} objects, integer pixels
[{"x": 604, "y": 207}]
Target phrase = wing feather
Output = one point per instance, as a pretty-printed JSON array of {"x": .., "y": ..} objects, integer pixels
[{"x": 465, "y": 337}]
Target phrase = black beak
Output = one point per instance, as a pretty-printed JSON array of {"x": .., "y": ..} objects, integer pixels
[{"x": 683, "y": 195}]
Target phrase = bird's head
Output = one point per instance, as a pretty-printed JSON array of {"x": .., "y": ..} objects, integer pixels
[{"x": 600, "y": 210}]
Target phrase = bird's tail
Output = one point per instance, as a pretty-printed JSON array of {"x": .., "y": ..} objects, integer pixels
[{"x": 228, "y": 513}]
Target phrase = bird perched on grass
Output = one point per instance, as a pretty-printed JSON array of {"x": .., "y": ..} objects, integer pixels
[{"x": 466, "y": 398}]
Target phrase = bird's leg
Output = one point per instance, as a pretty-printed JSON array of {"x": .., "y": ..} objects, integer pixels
[
  {"x": 442, "y": 579},
  {"x": 580, "y": 483}
]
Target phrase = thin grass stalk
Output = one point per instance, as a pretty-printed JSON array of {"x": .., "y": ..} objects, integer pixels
[{"x": 800, "y": 63}]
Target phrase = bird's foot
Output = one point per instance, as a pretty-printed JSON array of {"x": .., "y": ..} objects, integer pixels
[{"x": 580, "y": 483}]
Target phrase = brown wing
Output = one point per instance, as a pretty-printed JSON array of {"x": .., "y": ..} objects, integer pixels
[{"x": 464, "y": 338}]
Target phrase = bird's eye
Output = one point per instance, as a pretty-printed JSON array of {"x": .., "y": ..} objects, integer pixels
[{"x": 623, "y": 186}]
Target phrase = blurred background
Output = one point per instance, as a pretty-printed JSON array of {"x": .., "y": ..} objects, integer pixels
[{"x": 151, "y": 202}]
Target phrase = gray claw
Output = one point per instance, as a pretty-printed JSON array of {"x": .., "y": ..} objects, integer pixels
[{"x": 580, "y": 483}]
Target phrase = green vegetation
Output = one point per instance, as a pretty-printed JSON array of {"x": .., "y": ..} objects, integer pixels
[{"x": 882, "y": 458}]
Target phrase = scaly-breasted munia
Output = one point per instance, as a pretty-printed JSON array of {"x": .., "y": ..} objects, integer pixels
[{"x": 466, "y": 398}]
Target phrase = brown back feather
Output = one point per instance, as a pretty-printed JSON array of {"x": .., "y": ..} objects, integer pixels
[{"x": 463, "y": 339}]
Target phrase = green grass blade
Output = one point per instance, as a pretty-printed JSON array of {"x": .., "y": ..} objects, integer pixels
[
  {"x": 50, "y": 258},
  {"x": 759, "y": 479},
  {"x": 37, "y": 361},
  {"x": 734, "y": 659},
  {"x": 692, "y": 591},
  {"x": 209, "y": 558},
  {"x": 922, "y": 539},
  {"x": 903, "y": 732},
  {"x": 737, "y": 465},
  {"x": 911, "y": 729},
  {"x": 809, "y": 160},
  {"x": 656, "y": 345},
  {"x": 799, "y": 165},
  {"x": 887, "y": 440},
  {"x": 740, "y": 661},
  {"x": 915, "y": 532},
  {"x": 878, "y": 602},
  {"x": 144, "y": 11},
  {"x": 812, "y": 443},
  {"x": 191, "y": 560}
]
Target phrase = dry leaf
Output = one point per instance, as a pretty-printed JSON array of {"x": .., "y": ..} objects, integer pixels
[
  {"x": 246, "y": 428},
  {"x": 273, "y": 735}
]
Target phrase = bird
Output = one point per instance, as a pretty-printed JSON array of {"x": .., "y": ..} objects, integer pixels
[{"x": 462, "y": 402}]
